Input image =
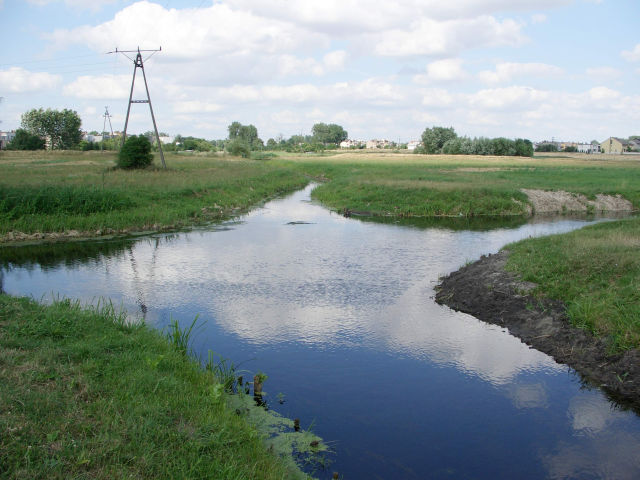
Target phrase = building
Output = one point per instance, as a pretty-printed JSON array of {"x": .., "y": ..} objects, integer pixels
[
  {"x": 377, "y": 143},
  {"x": 614, "y": 145},
  {"x": 589, "y": 148},
  {"x": 5, "y": 138},
  {"x": 413, "y": 144}
]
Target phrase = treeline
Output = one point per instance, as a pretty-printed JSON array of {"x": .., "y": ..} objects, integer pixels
[{"x": 445, "y": 140}]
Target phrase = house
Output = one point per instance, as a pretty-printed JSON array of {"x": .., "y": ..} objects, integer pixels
[
  {"x": 614, "y": 145},
  {"x": 413, "y": 144},
  {"x": 589, "y": 148},
  {"x": 377, "y": 143},
  {"x": 5, "y": 138},
  {"x": 634, "y": 145}
]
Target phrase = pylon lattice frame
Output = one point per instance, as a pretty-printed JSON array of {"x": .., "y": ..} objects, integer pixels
[{"x": 138, "y": 63}]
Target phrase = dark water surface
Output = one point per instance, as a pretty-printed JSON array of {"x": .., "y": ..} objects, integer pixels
[{"x": 339, "y": 313}]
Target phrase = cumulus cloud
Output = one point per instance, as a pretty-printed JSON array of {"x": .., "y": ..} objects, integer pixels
[
  {"x": 506, "y": 72},
  {"x": 429, "y": 37},
  {"x": 19, "y": 80},
  {"x": 513, "y": 97},
  {"x": 632, "y": 55},
  {"x": 99, "y": 87},
  {"x": 448, "y": 70}
]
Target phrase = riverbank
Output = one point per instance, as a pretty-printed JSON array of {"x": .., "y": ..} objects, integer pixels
[
  {"x": 573, "y": 296},
  {"x": 51, "y": 196},
  {"x": 84, "y": 394}
]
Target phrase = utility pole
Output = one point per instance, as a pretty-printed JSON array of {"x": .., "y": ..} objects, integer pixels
[
  {"x": 104, "y": 126},
  {"x": 138, "y": 63}
]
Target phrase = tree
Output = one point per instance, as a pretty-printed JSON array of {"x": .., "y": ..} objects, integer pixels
[
  {"x": 433, "y": 139},
  {"x": 135, "y": 153},
  {"x": 524, "y": 147},
  {"x": 331, "y": 133},
  {"x": 61, "y": 127},
  {"x": 248, "y": 134},
  {"x": 25, "y": 141}
]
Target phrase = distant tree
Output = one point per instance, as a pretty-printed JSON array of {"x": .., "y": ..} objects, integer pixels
[
  {"x": 239, "y": 148},
  {"x": 570, "y": 148},
  {"x": 247, "y": 134},
  {"x": 503, "y": 147},
  {"x": 433, "y": 139},
  {"x": 547, "y": 147},
  {"x": 61, "y": 127},
  {"x": 25, "y": 141},
  {"x": 524, "y": 147},
  {"x": 331, "y": 133},
  {"x": 135, "y": 153}
]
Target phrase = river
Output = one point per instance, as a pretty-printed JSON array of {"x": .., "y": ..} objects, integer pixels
[{"x": 339, "y": 313}]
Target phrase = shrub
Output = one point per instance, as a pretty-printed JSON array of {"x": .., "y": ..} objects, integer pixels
[
  {"x": 26, "y": 141},
  {"x": 239, "y": 148},
  {"x": 135, "y": 153}
]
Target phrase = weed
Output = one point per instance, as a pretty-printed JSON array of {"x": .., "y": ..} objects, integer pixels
[{"x": 180, "y": 337}]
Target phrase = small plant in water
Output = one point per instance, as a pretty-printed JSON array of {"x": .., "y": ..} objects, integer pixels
[{"x": 224, "y": 370}]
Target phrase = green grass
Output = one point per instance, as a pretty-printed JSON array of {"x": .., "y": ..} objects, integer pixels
[
  {"x": 440, "y": 185},
  {"x": 57, "y": 192},
  {"x": 85, "y": 395},
  {"x": 595, "y": 271}
]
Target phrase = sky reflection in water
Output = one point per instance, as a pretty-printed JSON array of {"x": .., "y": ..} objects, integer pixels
[{"x": 340, "y": 314}]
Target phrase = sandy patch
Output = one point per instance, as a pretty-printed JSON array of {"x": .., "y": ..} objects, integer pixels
[{"x": 561, "y": 202}]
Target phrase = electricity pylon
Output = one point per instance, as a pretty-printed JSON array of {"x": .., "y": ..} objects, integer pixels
[
  {"x": 104, "y": 126},
  {"x": 138, "y": 63}
]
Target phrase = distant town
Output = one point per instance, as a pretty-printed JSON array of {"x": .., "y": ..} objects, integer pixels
[{"x": 611, "y": 145}]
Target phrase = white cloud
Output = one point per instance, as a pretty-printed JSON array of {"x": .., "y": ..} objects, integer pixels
[
  {"x": 632, "y": 55},
  {"x": 19, "y": 80},
  {"x": 437, "y": 98},
  {"x": 603, "y": 94},
  {"x": 513, "y": 97},
  {"x": 429, "y": 37},
  {"x": 194, "y": 106},
  {"x": 506, "y": 72},
  {"x": 448, "y": 70},
  {"x": 99, "y": 87},
  {"x": 604, "y": 73},
  {"x": 76, "y": 4}
]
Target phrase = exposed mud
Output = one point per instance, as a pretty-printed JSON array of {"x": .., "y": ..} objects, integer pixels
[
  {"x": 564, "y": 202},
  {"x": 485, "y": 290}
]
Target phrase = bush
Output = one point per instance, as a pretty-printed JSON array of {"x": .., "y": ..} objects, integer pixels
[
  {"x": 239, "y": 148},
  {"x": 25, "y": 141},
  {"x": 135, "y": 153}
]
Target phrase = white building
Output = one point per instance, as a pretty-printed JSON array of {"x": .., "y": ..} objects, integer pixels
[
  {"x": 413, "y": 144},
  {"x": 5, "y": 138},
  {"x": 589, "y": 148}
]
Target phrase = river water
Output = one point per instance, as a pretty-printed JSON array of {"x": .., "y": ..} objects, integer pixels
[{"x": 339, "y": 313}]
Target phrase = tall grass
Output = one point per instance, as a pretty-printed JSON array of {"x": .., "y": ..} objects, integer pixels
[
  {"x": 595, "y": 271},
  {"x": 81, "y": 397}
]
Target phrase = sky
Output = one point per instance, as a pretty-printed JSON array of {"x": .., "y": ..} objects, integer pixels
[{"x": 539, "y": 69}]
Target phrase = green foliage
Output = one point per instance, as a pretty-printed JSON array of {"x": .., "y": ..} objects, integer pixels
[
  {"x": 16, "y": 202},
  {"x": 570, "y": 148},
  {"x": 433, "y": 139},
  {"x": 247, "y": 134},
  {"x": 26, "y": 141},
  {"x": 135, "y": 153},
  {"x": 547, "y": 147},
  {"x": 524, "y": 147},
  {"x": 62, "y": 127},
  {"x": 331, "y": 133},
  {"x": 179, "y": 337},
  {"x": 239, "y": 148}
]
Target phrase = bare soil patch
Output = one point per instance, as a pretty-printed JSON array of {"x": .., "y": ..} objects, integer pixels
[
  {"x": 561, "y": 202},
  {"x": 485, "y": 290}
]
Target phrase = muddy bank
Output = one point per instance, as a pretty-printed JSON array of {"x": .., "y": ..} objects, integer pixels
[
  {"x": 485, "y": 290},
  {"x": 564, "y": 202}
]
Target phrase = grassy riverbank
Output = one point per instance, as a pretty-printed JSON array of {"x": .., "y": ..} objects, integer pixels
[
  {"x": 63, "y": 191},
  {"x": 444, "y": 185},
  {"x": 595, "y": 271},
  {"x": 83, "y": 395}
]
